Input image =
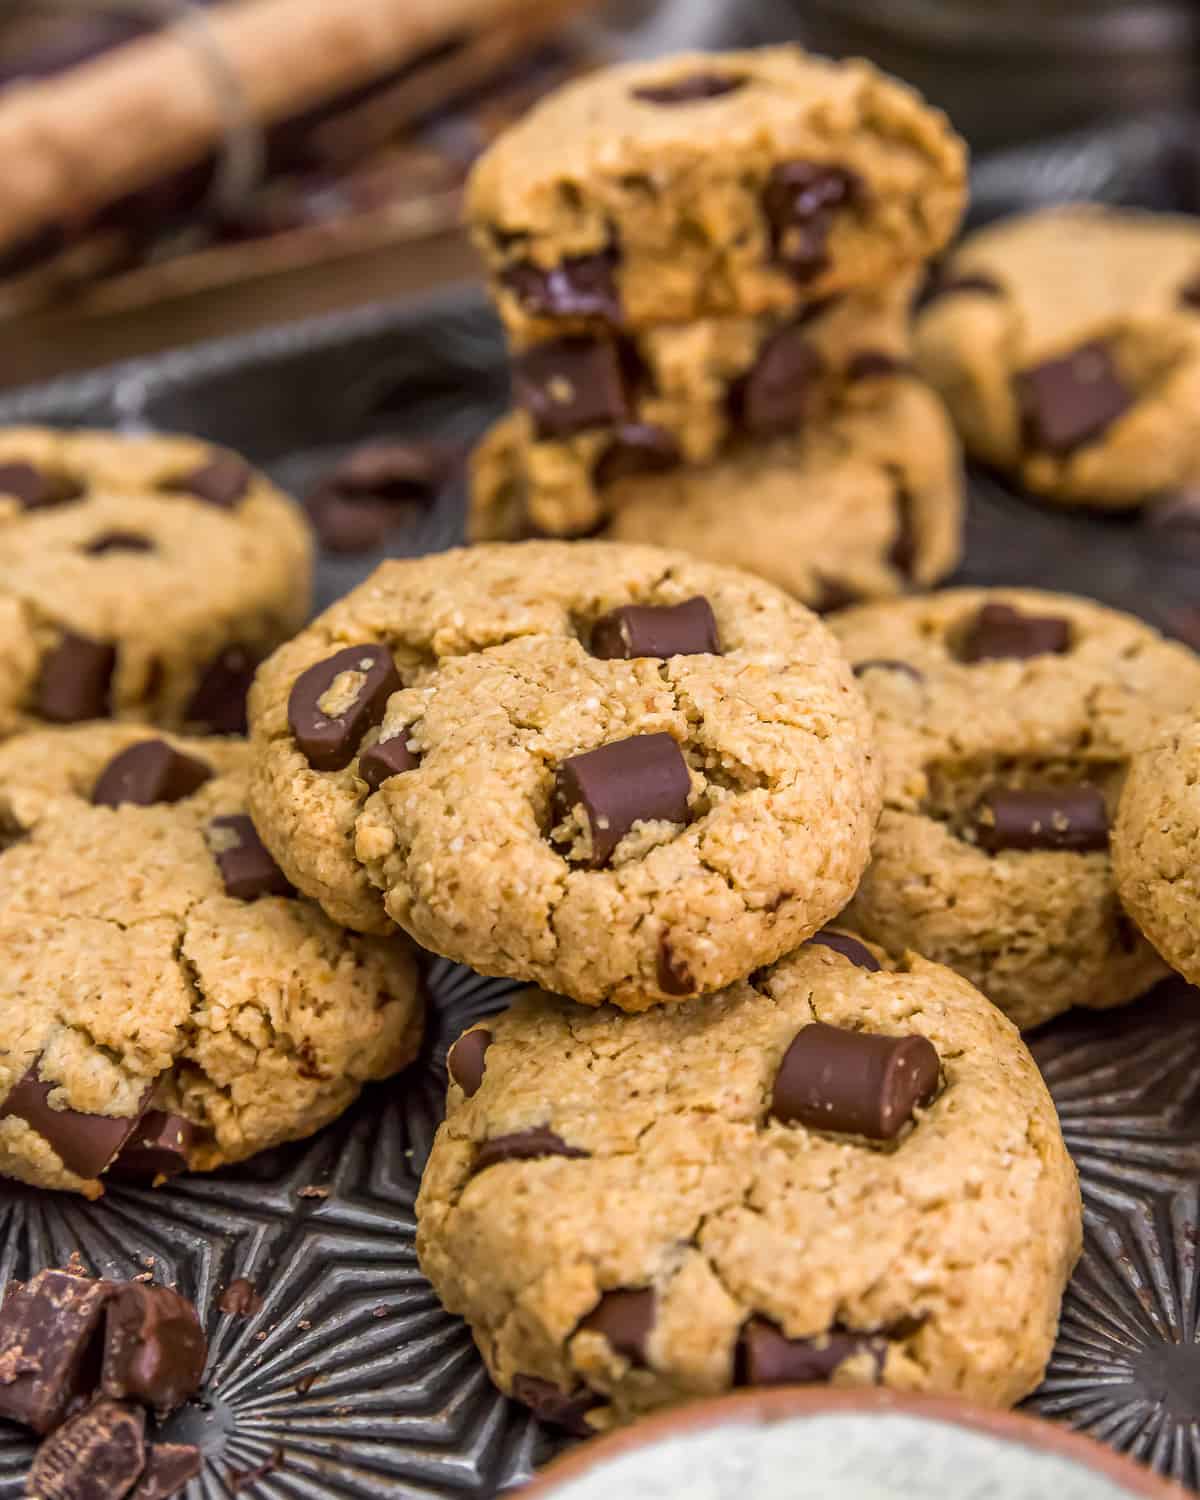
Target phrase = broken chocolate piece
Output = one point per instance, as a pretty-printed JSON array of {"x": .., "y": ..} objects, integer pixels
[
  {"x": 157, "y": 1148},
  {"x": 857, "y": 1082},
  {"x": 154, "y": 1348},
  {"x": 1072, "y": 400},
  {"x": 564, "y": 1409},
  {"x": 335, "y": 702},
  {"x": 50, "y": 1330},
  {"x": 1066, "y": 817},
  {"x": 640, "y": 779},
  {"x": 85, "y": 1144},
  {"x": 147, "y": 773},
  {"x": 218, "y": 702},
  {"x": 766, "y": 1356},
  {"x": 37, "y": 489},
  {"x": 76, "y": 680},
  {"x": 626, "y": 1319},
  {"x": 663, "y": 631},
  {"x": 387, "y": 758},
  {"x": 222, "y": 483},
  {"x": 800, "y": 200},
  {"x": 246, "y": 867},
  {"x": 582, "y": 286},
  {"x": 570, "y": 384},
  {"x": 999, "y": 631},
  {"x": 776, "y": 395},
  {"x": 169, "y": 1467},
  {"x": 97, "y": 1455}
]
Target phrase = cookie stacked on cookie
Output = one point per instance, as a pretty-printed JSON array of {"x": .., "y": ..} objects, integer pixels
[{"x": 704, "y": 266}]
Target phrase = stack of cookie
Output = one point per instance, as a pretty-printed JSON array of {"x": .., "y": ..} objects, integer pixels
[{"x": 704, "y": 266}]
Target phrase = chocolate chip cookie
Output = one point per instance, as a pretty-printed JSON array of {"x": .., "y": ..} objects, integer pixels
[
  {"x": 140, "y": 578},
  {"x": 838, "y": 1170},
  {"x": 1006, "y": 720},
  {"x": 612, "y": 770},
  {"x": 167, "y": 1002},
  {"x": 863, "y": 505},
  {"x": 1155, "y": 841},
  {"x": 711, "y": 185},
  {"x": 1067, "y": 346}
]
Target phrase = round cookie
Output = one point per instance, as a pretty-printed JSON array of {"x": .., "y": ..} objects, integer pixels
[
  {"x": 765, "y": 1185},
  {"x": 167, "y": 1002},
  {"x": 140, "y": 578},
  {"x": 612, "y": 770},
  {"x": 1067, "y": 346},
  {"x": 862, "y": 506},
  {"x": 1005, "y": 720},
  {"x": 1156, "y": 839}
]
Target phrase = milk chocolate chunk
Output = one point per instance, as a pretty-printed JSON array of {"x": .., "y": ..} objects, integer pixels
[
  {"x": 1072, "y": 400},
  {"x": 97, "y": 1455},
  {"x": 569, "y": 385},
  {"x": 626, "y": 1319},
  {"x": 1056, "y": 817},
  {"x": 999, "y": 630},
  {"x": 149, "y": 772},
  {"x": 523, "y": 1145},
  {"x": 154, "y": 1348},
  {"x": 76, "y": 680},
  {"x": 833, "y": 1078},
  {"x": 467, "y": 1060},
  {"x": 85, "y": 1144},
  {"x": 663, "y": 631},
  {"x": 335, "y": 702},
  {"x": 766, "y": 1356},
  {"x": 50, "y": 1333},
  {"x": 640, "y": 779}
]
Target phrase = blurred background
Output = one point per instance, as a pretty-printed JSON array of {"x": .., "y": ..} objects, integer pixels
[{"x": 153, "y": 198}]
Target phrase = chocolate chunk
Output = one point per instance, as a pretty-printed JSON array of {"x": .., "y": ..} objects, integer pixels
[
  {"x": 1056, "y": 817},
  {"x": 149, "y": 772},
  {"x": 663, "y": 631},
  {"x": 947, "y": 284},
  {"x": 999, "y": 630},
  {"x": 240, "y": 1299},
  {"x": 672, "y": 973},
  {"x": 1189, "y": 294},
  {"x": 50, "y": 1346},
  {"x": 349, "y": 526},
  {"x": 571, "y": 384},
  {"x": 85, "y": 1144},
  {"x": 222, "y": 483},
  {"x": 1069, "y": 401},
  {"x": 687, "y": 90},
  {"x": 832, "y": 1078},
  {"x": 245, "y": 865},
  {"x": 874, "y": 364},
  {"x": 777, "y": 393},
  {"x": 800, "y": 201},
  {"x": 97, "y": 1455},
  {"x": 559, "y": 1408},
  {"x": 831, "y": 595},
  {"x": 169, "y": 1466},
  {"x": 903, "y": 552},
  {"x": 886, "y": 664},
  {"x": 523, "y": 1145},
  {"x": 157, "y": 1148},
  {"x": 387, "y": 758},
  {"x": 394, "y": 469},
  {"x": 118, "y": 541},
  {"x": 636, "y": 448},
  {"x": 639, "y": 779},
  {"x": 76, "y": 680},
  {"x": 626, "y": 1319},
  {"x": 467, "y": 1060},
  {"x": 154, "y": 1348},
  {"x": 218, "y": 701},
  {"x": 330, "y": 735},
  {"x": 582, "y": 286},
  {"x": 37, "y": 489},
  {"x": 841, "y": 942},
  {"x": 766, "y": 1356}
]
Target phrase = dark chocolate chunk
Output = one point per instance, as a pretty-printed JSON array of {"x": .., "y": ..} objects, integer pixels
[
  {"x": 50, "y": 1346},
  {"x": 582, "y": 286},
  {"x": 222, "y": 483},
  {"x": 1189, "y": 294},
  {"x": 76, "y": 680},
  {"x": 626, "y": 1319},
  {"x": 841, "y": 942},
  {"x": 766, "y": 1356},
  {"x": 639, "y": 779},
  {"x": 169, "y": 1466},
  {"x": 887, "y": 664},
  {"x": 874, "y": 364},
  {"x": 672, "y": 973},
  {"x": 118, "y": 541},
  {"x": 241, "y": 1298},
  {"x": 800, "y": 201},
  {"x": 149, "y": 772},
  {"x": 157, "y": 1148},
  {"x": 999, "y": 630},
  {"x": 563, "y": 1409},
  {"x": 37, "y": 489},
  {"x": 1053, "y": 817},
  {"x": 1067, "y": 402},
  {"x": 218, "y": 701},
  {"x": 636, "y": 448},
  {"x": 97, "y": 1455},
  {"x": 387, "y": 758},
  {"x": 663, "y": 631},
  {"x": 85, "y": 1144},
  {"x": 693, "y": 87},
  {"x": 154, "y": 1347},
  {"x": 776, "y": 394},
  {"x": 350, "y": 526},
  {"x": 467, "y": 1060},
  {"x": 523, "y": 1145},
  {"x": 329, "y": 740},
  {"x": 903, "y": 552},
  {"x": 571, "y": 384},
  {"x": 246, "y": 867},
  {"x": 832, "y": 595},
  {"x": 833, "y": 1078}
]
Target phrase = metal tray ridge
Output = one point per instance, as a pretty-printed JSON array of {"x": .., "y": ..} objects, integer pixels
[{"x": 350, "y": 1380}]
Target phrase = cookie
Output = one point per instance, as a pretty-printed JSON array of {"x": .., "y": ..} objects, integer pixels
[
  {"x": 612, "y": 770},
  {"x": 864, "y": 505},
  {"x": 1155, "y": 840},
  {"x": 837, "y": 1170},
  {"x": 167, "y": 1002},
  {"x": 1067, "y": 346},
  {"x": 140, "y": 578},
  {"x": 711, "y": 185},
  {"x": 1006, "y": 720}
]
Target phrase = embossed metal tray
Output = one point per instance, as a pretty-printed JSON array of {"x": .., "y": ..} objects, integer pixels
[{"x": 350, "y": 1381}]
